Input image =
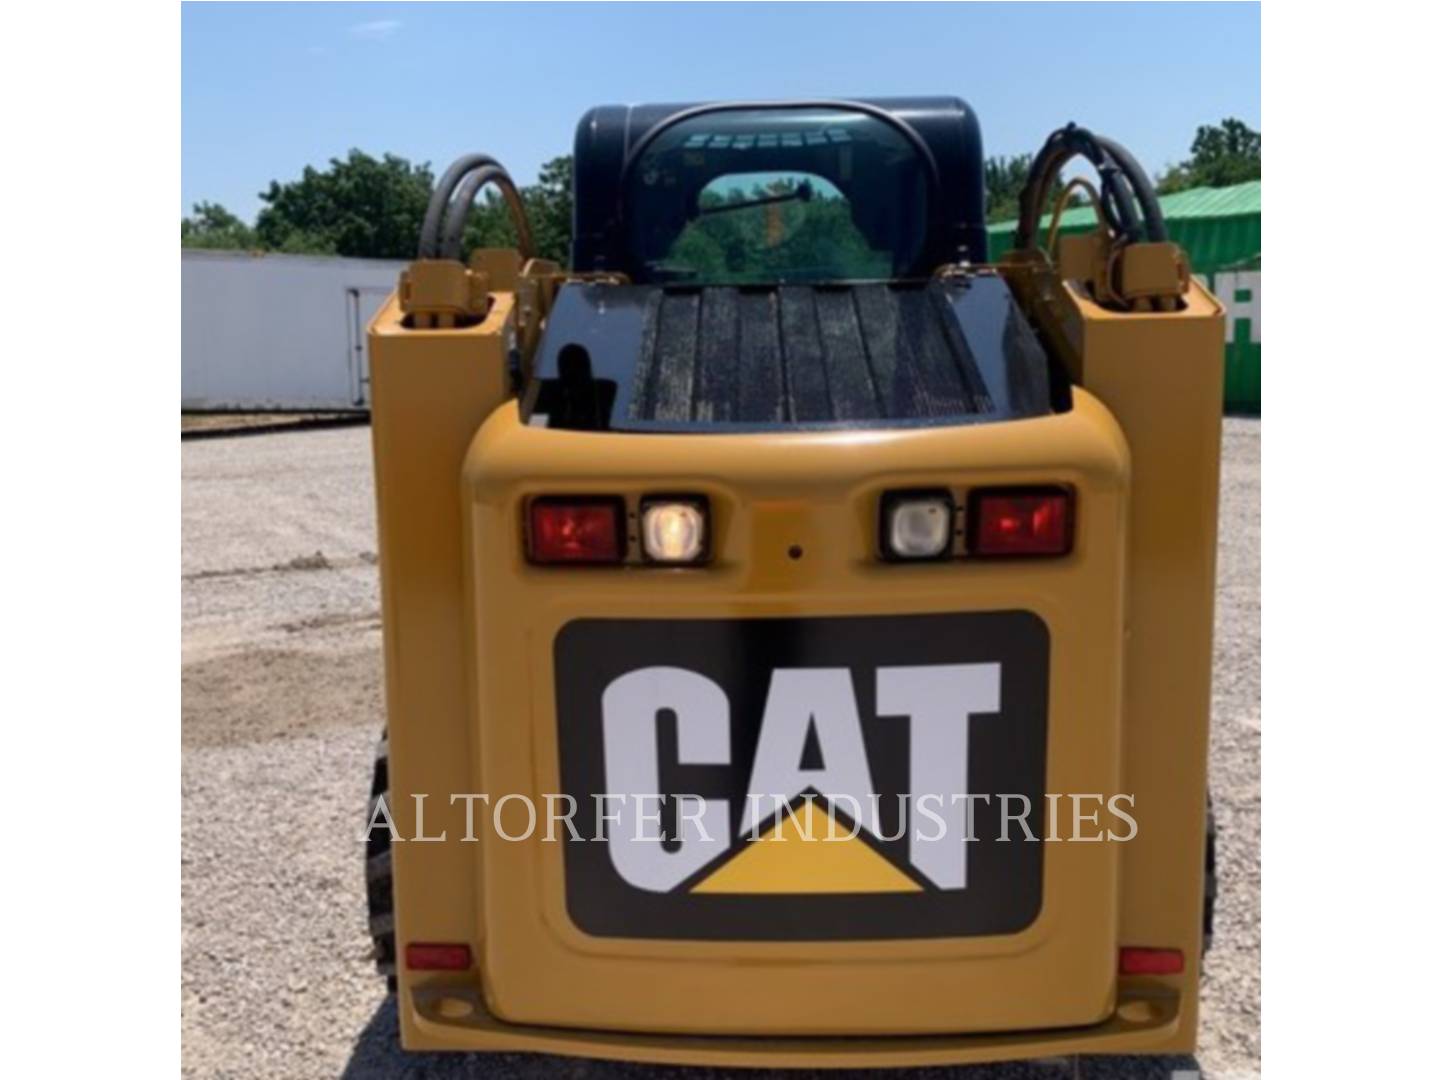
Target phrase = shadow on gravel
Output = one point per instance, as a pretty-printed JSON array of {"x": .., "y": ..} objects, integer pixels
[
  {"x": 377, "y": 1056},
  {"x": 263, "y": 694}
]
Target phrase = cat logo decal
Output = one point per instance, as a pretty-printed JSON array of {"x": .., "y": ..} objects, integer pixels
[{"x": 802, "y": 778}]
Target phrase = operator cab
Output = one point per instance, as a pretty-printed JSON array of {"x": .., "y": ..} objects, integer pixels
[
  {"x": 878, "y": 189},
  {"x": 776, "y": 267}
]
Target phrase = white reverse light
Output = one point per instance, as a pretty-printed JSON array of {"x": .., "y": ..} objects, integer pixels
[
  {"x": 673, "y": 531},
  {"x": 918, "y": 526}
]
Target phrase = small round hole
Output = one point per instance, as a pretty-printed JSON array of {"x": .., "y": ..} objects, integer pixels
[{"x": 796, "y": 551}]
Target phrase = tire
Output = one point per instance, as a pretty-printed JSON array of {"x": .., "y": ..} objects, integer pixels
[
  {"x": 379, "y": 881},
  {"x": 1212, "y": 879}
]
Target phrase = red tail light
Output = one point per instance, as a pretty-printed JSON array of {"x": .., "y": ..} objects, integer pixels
[
  {"x": 1137, "y": 961},
  {"x": 1036, "y": 521},
  {"x": 437, "y": 956},
  {"x": 577, "y": 530}
]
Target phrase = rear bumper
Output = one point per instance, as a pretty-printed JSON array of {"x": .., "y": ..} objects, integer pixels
[{"x": 1145, "y": 1021}]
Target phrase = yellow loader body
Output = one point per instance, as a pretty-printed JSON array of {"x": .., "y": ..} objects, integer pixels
[
  {"x": 470, "y": 635},
  {"x": 512, "y": 684}
]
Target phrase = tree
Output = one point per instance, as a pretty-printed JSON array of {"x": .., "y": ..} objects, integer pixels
[
  {"x": 369, "y": 207},
  {"x": 212, "y": 226},
  {"x": 360, "y": 206},
  {"x": 549, "y": 204},
  {"x": 1219, "y": 156},
  {"x": 1004, "y": 180},
  {"x": 806, "y": 236}
]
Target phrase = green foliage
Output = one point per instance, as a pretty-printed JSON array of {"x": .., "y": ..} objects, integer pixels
[
  {"x": 1004, "y": 180},
  {"x": 1219, "y": 156},
  {"x": 372, "y": 208},
  {"x": 299, "y": 242},
  {"x": 805, "y": 239},
  {"x": 361, "y": 206},
  {"x": 549, "y": 204},
  {"x": 212, "y": 226}
]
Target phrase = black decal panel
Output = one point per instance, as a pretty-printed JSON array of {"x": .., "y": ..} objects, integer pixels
[{"x": 1003, "y": 754}]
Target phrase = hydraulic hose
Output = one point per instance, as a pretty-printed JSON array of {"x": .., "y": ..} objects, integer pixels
[
  {"x": 459, "y": 210},
  {"x": 1078, "y": 183},
  {"x": 440, "y": 200},
  {"x": 1155, "y": 230},
  {"x": 1117, "y": 184},
  {"x": 445, "y": 192}
]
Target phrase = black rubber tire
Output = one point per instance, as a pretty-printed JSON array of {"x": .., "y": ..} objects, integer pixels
[
  {"x": 1212, "y": 879},
  {"x": 379, "y": 883}
]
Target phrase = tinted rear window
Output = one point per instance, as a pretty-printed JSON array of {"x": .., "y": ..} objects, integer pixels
[{"x": 753, "y": 196}]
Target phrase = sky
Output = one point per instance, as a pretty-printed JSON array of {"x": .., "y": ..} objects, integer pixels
[{"x": 267, "y": 89}]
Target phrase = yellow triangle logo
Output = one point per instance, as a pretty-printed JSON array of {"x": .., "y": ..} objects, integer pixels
[{"x": 796, "y": 856}]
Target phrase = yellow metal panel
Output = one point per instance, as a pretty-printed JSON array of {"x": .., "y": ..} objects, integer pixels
[
  {"x": 469, "y": 629},
  {"x": 1162, "y": 375},
  {"x": 432, "y": 389},
  {"x": 770, "y": 493}
]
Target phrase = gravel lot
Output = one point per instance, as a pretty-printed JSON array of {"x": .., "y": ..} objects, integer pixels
[{"x": 281, "y": 687}]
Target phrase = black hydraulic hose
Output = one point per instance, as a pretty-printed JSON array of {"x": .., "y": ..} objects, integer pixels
[
  {"x": 440, "y": 200},
  {"x": 1117, "y": 189},
  {"x": 1043, "y": 173},
  {"x": 1155, "y": 229},
  {"x": 1041, "y": 177},
  {"x": 1064, "y": 144},
  {"x": 459, "y": 211},
  {"x": 1117, "y": 205},
  {"x": 1059, "y": 148},
  {"x": 1117, "y": 197}
]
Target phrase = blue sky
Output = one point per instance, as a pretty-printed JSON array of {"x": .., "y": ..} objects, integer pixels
[{"x": 268, "y": 89}]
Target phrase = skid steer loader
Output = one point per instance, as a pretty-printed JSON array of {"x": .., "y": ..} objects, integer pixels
[{"x": 797, "y": 628}]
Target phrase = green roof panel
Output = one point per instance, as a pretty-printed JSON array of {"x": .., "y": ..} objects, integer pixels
[{"x": 1237, "y": 200}]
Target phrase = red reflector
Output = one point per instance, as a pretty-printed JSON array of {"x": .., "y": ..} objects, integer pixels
[
  {"x": 1135, "y": 961},
  {"x": 433, "y": 956},
  {"x": 576, "y": 530},
  {"x": 1021, "y": 521}
]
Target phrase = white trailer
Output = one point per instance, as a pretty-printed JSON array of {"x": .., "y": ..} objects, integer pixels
[{"x": 265, "y": 332}]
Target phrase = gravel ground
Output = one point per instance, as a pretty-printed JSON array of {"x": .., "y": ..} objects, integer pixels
[{"x": 281, "y": 706}]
